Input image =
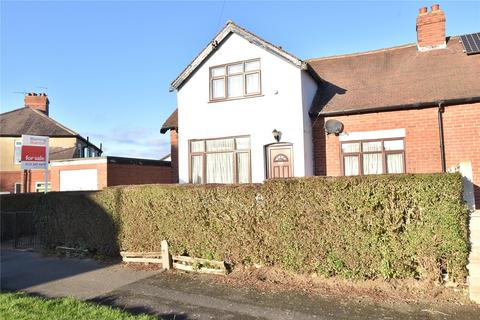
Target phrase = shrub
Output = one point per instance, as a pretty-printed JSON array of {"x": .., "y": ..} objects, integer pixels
[{"x": 392, "y": 226}]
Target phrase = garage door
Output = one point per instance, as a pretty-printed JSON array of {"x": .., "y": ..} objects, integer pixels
[{"x": 73, "y": 180}]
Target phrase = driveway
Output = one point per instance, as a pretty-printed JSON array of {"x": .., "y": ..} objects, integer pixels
[{"x": 174, "y": 295}]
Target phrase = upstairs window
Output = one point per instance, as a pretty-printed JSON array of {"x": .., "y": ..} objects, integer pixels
[
  {"x": 373, "y": 157},
  {"x": 235, "y": 80}
]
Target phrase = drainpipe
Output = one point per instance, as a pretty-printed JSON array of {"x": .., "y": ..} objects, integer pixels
[{"x": 441, "y": 110}]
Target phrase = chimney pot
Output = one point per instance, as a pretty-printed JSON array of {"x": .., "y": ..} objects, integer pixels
[
  {"x": 37, "y": 101},
  {"x": 431, "y": 29}
]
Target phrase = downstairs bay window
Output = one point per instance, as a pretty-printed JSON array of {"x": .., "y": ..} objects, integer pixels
[
  {"x": 373, "y": 157},
  {"x": 224, "y": 160}
]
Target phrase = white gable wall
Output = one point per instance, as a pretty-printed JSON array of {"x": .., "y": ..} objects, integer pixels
[{"x": 281, "y": 107}]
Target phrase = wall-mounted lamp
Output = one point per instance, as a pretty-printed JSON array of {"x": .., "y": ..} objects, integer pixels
[{"x": 277, "y": 135}]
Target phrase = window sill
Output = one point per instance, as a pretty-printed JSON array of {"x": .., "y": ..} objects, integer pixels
[{"x": 234, "y": 99}]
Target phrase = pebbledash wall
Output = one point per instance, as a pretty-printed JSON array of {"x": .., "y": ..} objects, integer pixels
[
  {"x": 422, "y": 139},
  {"x": 287, "y": 93}
]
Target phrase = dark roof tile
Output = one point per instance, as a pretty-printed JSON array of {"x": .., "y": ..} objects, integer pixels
[
  {"x": 171, "y": 122},
  {"x": 394, "y": 77},
  {"x": 30, "y": 121}
]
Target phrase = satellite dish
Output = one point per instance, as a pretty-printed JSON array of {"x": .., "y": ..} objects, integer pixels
[{"x": 333, "y": 126}]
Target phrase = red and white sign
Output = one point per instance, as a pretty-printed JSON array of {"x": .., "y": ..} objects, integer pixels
[{"x": 34, "y": 152}]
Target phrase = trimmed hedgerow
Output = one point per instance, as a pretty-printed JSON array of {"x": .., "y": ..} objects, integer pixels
[{"x": 392, "y": 226}]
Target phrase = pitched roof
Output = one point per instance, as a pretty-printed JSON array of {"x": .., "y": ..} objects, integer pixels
[
  {"x": 30, "y": 121},
  {"x": 398, "y": 77},
  {"x": 229, "y": 28},
  {"x": 171, "y": 122},
  {"x": 58, "y": 153}
]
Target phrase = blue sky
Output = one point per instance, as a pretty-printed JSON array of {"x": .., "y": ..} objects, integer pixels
[{"x": 108, "y": 65}]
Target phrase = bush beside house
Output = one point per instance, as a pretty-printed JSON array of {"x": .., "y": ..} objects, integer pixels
[{"x": 395, "y": 226}]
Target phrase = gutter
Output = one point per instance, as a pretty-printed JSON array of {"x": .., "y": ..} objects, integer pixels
[{"x": 420, "y": 105}]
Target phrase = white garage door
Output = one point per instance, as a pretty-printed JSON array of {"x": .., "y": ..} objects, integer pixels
[{"x": 73, "y": 180}]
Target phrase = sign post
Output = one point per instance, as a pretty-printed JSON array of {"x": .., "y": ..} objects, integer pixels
[{"x": 35, "y": 154}]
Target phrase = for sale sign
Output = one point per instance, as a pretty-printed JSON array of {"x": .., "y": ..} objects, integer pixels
[{"x": 34, "y": 152}]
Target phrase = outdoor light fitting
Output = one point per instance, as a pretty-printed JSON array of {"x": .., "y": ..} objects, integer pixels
[{"x": 277, "y": 135}]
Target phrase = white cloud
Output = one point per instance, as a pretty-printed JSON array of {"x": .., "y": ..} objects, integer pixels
[{"x": 135, "y": 142}]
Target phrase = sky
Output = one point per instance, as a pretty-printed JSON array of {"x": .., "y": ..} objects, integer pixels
[{"x": 107, "y": 66}]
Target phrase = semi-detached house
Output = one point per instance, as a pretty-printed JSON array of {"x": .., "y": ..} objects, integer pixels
[{"x": 248, "y": 110}]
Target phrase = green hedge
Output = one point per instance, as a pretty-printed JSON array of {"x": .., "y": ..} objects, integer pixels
[{"x": 395, "y": 226}]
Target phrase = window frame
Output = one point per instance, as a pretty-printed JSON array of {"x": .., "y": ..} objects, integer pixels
[
  {"x": 19, "y": 142},
  {"x": 383, "y": 152},
  {"x": 15, "y": 187},
  {"x": 204, "y": 158},
  {"x": 49, "y": 186},
  {"x": 225, "y": 80}
]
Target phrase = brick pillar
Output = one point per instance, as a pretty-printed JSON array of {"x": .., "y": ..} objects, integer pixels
[
  {"x": 319, "y": 146},
  {"x": 174, "y": 154}
]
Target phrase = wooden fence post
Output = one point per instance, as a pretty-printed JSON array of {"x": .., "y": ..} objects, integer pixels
[{"x": 166, "y": 259}]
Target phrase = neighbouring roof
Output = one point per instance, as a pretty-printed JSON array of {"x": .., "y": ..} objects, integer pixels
[
  {"x": 229, "y": 28},
  {"x": 399, "y": 77},
  {"x": 171, "y": 122},
  {"x": 58, "y": 153},
  {"x": 30, "y": 121},
  {"x": 166, "y": 157},
  {"x": 112, "y": 160}
]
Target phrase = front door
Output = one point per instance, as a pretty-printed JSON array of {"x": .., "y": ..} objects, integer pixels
[{"x": 280, "y": 161}]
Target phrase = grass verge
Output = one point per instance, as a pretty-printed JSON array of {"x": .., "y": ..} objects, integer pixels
[{"x": 19, "y": 306}]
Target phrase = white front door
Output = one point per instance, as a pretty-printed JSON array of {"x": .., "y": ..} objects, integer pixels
[{"x": 76, "y": 180}]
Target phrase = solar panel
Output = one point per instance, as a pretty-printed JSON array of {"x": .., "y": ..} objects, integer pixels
[{"x": 471, "y": 43}]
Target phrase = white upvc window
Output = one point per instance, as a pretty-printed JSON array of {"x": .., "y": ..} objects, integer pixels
[
  {"x": 373, "y": 156},
  {"x": 40, "y": 186},
  {"x": 235, "y": 80},
  {"x": 222, "y": 160},
  {"x": 17, "y": 154}
]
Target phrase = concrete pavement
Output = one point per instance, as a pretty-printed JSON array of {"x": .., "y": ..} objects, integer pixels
[{"x": 56, "y": 277}]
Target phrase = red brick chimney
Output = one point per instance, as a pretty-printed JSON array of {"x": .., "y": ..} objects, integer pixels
[
  {"x": 37, "y": 101},
  {"x": 431, "y": 28}
]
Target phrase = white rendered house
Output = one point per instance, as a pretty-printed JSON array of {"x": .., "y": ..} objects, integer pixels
[{"x": 230, "y": 99}]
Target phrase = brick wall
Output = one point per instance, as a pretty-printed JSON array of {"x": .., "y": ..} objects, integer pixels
[
  {"x": 123, "y": 174},
  {"x": 422, "y": 142},
  {"x": 461, "y": 125},
  {"x": 174, "y": 154},
  {"x": 9, "y": 178},
  {"x": 431, "y": 28},
  {"x": 101, "y": 174}
]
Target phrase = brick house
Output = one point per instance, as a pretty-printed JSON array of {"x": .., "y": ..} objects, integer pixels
[
  {"x": 75, "y": 163},
  {"x": 408, "y": 109},
  {"x": 34, "y": 119}
]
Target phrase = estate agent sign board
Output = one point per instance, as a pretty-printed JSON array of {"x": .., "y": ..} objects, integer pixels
[{"x": 35, "y": 154}]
